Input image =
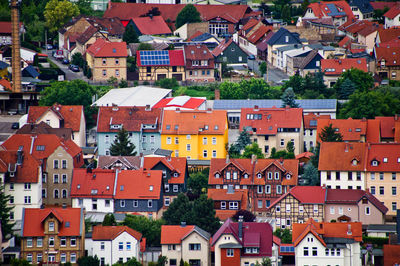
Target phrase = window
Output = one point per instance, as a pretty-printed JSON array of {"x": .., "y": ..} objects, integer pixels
[
  {"x": 278, "y": 189},
  {"x": 63, "y": 241},
  {"x": 332, "y": 210},
  {"x": 233, "y": 205},
  {"x": 167, "y": 201},
  {"x": 64, "y": 179},
  {"x": 39, "y": 257},
  {"x": 282, "y": 142},
  {"x": 223, "y": 205},
  {"x": 51, "y": 241},
  {"x": 128, "y": 245},
  {"x": 107, "y": 203},
  {"x": 205, "y": 141},
  {"x": 194, "y": 246},
  {"x": 64, "y": 193},
  {"x": 214, "y": 141},
  {"x": 288, "y": 207},
  {"x": 268, "y": 189},
  {"x": 372, "y": 176},
  {"x": 122, "y": 204},
  {"x": 394, "y": 206},
  {"x": 314, "y": 251},
  {"x": 188, "y": 137},
  {"x": 393, "y": 176},
  {"x": 315, "y": 208},
  {"x": 73, "y": 258},
  {"x": 350, "y": 176},
  {"x": 259, "y": 189},
  {"x": 144, "y": 139},
  {"x": 367, "y": 210},
  {"x": 188, "y": 147},
  {"x": 27, "y": 186},
  {"x": 169, "y": 140},
  {"x": 56, "y": 194},
  {"x": 259, "y": 204},
  {"x": 176, "y": 153},
  {"x": 205, "y": 154},
  {"x": 305, "y": 251},
  {"x": 64, "y": 164},
  {"x": 338, "y": 252},
  {"x": 73, "y": 241},
  {"x": 381, "y": 177},
  {"x": 373, "y": 190},
  {"x": 102, "y": 245},
  {"x": 29, "y": 257},
  {"x": 176, "y": 140},
  {"x": 39, "y": 242},
  {"x": 51, "y": 226},
  {"x": 11, "y": 199},
  {"x": 121, "y": 246},
  {"x": 55, "y": 179},
  {"x": 63, "y": 258},
  {"x": 11, "y": 215},
  {"x": 269, "y": 175},
  {"x": 29, "y": 242},
  {"x": 150, "y": 204},
  {"x": 116, "y": 61},
  {"x": 340, "y": 210},
  {"x": 230, "y": 252},
  {"x": 381, "y": 190},
  {"x": 276, "y": 174},
  {"x": 104, "y": 61},
  {"x": 301, "y": 209},
  {"x": 27, "y": 199},
  {"x": 175, "y": 188},
  {"x": 214, "y": 154},
  {"x": 117, "y": 72},
  {"x": 394, "y": 191},
  {"x": 55, "y": 164},
  {"x": 152, "y": 139},
  {"x": 278, "y": 208}
]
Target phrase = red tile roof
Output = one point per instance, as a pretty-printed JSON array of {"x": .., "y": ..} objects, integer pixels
[
  {"x": 388, "y": 126},
  {"x": 386, "y": 35},
  {"x": 223, "y": 215},
  {"x": 174, "y": 164},
  {"x": 391, "y": 254},
  {"x": 313, "y": 117},
  {"x": 239, "y": 195},
  {"x": 350, "y": 129},
  {"x": 28, "y": 172},
  {"x": 85, "y": 182},
  {"x": 356, "y": 26},
  {"x": 390, "y": 44},
  {"x": 254, "y": 234},
  {"x": 304, "y": 194},
  {"x": 151, "y": 26},
  {"x": 250, "y": 24},
  {"x": 324, "y": 229},
  {"x": 173, "y": 234},
  {"x": 6, "y": 84},
  {"x": 345, "y": 42},
  {"x": 51, "y": 142},
  {"x": 244, "y": 166},
  {"x": 370, "y": 29},
  {"x": 339, "y": 156},
  {"x": 272, "y": 119},
  {"x": 258, "y": 34},
  {"x": 32, "y": 224},
  {"x": 198, "y": 52},
  {"x": 335, "y": 67},
  {"x": 321, "y": 9},
  {"x": 306, "y": 154},
  {"x": 389, "y": 55},
  {"x": 215, "y": 120},
  {"x": 176, "y": 58},
  {"x": 104, "y": 48},
  {"x": 392, "y": 12},
  {"x": 147, "y": 184},
  {"x": 5, "y": 27},
  {"x": 378, "y": 152},
  {"x": 191, "y": 103},
  {"x": 101, "y": 232},
  {"x": 71, "y": 114},
  {"x": 132, "y": 118}
]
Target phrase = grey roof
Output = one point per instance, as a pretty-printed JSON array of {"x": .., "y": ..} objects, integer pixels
[
  {"x": 282, "y": 32},
  {"x": 288, "y": 47},
  {"x": 199, "y": 162},
  {"x": 230, "y": 245},
  {"x": 163, "y": 152},
  {"x": 363, "y": 5},
  {"x": 11, "y": 250},
  {"x": 319, "y": 46},
  {"x": 89, "y": 150},
  {"x": 201, "y": 232},
  {"x": 31, "y": 71},
  {"x": 203, "y": 37},
  {"x": 334, "y": 11},
  {"x": 229, "y": 2},
  {"x": 305, "y": 104},
  {"x": 3, "y": 65},
  {"x": 338, "y": 240},
  {"x": 307, "y": 59},
  {"x": 389, "y": 228}
]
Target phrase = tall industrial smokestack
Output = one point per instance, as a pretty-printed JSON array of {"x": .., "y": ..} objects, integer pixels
[{"x": 16, "y": 46}]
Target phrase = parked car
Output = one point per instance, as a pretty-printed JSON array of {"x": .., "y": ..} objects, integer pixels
[
  {"x": 65, "y": 61},
  {"x": 49, "y": 47},
  {"x": 74, "y": 68},
  {"x": 15, "y": 125}
]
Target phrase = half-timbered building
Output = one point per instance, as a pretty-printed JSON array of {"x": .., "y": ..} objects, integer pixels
[
  {"x": 264, "y": 179},
  {"x": 297, "y": 206}
]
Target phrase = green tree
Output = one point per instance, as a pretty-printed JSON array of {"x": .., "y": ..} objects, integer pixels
[
  {"x": 266, "y": 262},
  {"x": 363, "y": 81},
  {"x": 167, "y": 83},
  {"x": 112, "y": 81},
  {"x": 295, "y": 82},
  {"x": 311, "y": 174},
  {"x": 290, "y": 147},
  {"x": 226, "y": 70},
  {"x": 19, "y": 262},
  {"x": 149, "y": 228},
  {"x": 77, "y": 59},
  {"x": 248, "y": 89},
  {"x": 329, "y": 134},
  {"x": 109, "y": 220},
  {"x": 284, "y": 234},
  {"x": 181, "y": 262},
  {"x": 133, "y": 262},
  {"x": 131, "y": 63},
  {"x": 188, "y": 14},
  {"x": 304, "y": 5},
  {"x": 5, "y": 209},
  {"x": 198, "y": 182},
  {"x": 162, "y": 260},
  {"x": 315, "y": 158},
  {"x": 263, "y": 68},
  {"x": 88, "y": 261},
  {"x": 249, "y": 150},
  {"x": 179, "y": 211},
  {"x": 242, "y": 141},
  {"x": 247, "y": 216},
  {"x": 289, "y": 98},
  {"x": 130, "y": 35},
  {"x": 123, "y": 83},
  {"x": 346, "y": 89},
  {"x": 145, "y": 46},
  {"x": 122, "y": 146},
  {"x": 57, "y": 13}
]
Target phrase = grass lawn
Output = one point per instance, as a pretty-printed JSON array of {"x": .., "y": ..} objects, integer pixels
[{"x": 194, "y": 93}]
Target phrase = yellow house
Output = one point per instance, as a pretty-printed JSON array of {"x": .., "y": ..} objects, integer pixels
[
  {"x": 107, "y": 59},
  {"x": 198, "y": 135},
  {"x": 160, "y": 64}
]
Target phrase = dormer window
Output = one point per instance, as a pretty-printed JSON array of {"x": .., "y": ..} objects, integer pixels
[
  {"x": 217, "y": 175},
  {"x": 51, "y": 226},
  {"x": 176, "y": 174},
  {"x": 151, "y": 188},
  {"x": 374, "y": 163},
  {"x": 354, "y": 162},
  {"x": 288, "y": 176},
  {"x": 259, "y": 175},
  {"x": 246, "y": 176},
  {"x": 385, "y": 160}
]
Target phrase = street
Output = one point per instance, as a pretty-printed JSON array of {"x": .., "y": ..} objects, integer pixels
[{"x": 275, "y": 75}]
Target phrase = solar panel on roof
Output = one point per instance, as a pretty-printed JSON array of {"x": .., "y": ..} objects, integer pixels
[{"x": 154, "y": 58}]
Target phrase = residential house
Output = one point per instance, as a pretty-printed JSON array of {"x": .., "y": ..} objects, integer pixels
[
  {"x": 342, "y": 165},
  {"x": 274, "y": 127},
  {"x": 353, "y": 205},
  {"x": 310, "y": 130},
  {"x": 203, "y": 138},
  {"x": 389, "y": 128},
  {"x": 387, "y": 36},
  {"x": 187, "y": 242},
  {"x": 150, "y": 25},
  {"x": 119, "y": 162},
  {"x": 107, "y": 59},
  {"x": 44, "y": 128},
  {"x": 251, "y": 35},
  {"x": 175, "y": 175},
  {"x": 61, "y": 116},
  {"x": 144, "y": 198},
  {"x": 281, "y": 54},
  {"x": 199, "y": 37},
  {"x": 338, "y": 11},
  {"x": 87, "y": 38},
  {"x": 229, "y": 52},
  {"x": 159, "y": 64},
  {"x": 199, "y": 63},
  {"x": 281, "y": 38},
  {"x": 93, "y": 189},
  {"x": 183, "y": 103},
  {"x": 57, "y": 157},
  {"x": 264, "y": 179},
  {"x": 143, "y": 125},
  {"x": 5, "y": 32},
  {"x": 298, "y": 205},
  {"x": 304, "y": 64},
  {"x": 189, "y": 29},
  {"x": 53, "y": 235},
  {"x": 362, "y": 9},
  {"x": 114, "y": 244},
  {"x": 366, "y": 36},
  {"x": 334, "y": 243},
  {"x": 134, "y": 96},
  {"x": 333, "y": 68},
  {"x": 21, "y": 175},
  {"x": 392, "y": 17},
  {"x": 228, "y": 201},
  {"x": 243, "y": 243},
  {"x": 262, "y": 47},
  {"x": 387, "y": 62}
]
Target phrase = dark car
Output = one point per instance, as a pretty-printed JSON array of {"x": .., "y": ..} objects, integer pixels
[
  {"x": 65, "y": 61},
  {"x": 74, "y": 68},
  {"x": 251, "y": 57},
  {"x": 15, "y": 125}
]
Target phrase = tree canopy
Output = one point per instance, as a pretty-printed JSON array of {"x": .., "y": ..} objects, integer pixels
[
  {"x": 363, "y": 81},
  {"x": 150, "y": 228},
  {"x": 284, "y": 234},
  {"x": 5, "y": 209},
  {"x": 198, "y": 182},
  {"x": 130, "y": 35},
  {"x": 242, "y": 141},
  {"x": 188, "y": 14},
  {"x": 122, "y": 146},
  {"x": 248, "y": 89},
  {"x": 252, "y": 149},
  {"x": 247, "y": 216},
  {"x": 285, "y": 154},
  {"x": 109, "y": 220},
  {"x": 311, "y": 174},
  {"x": 57, "y": 13},
  {"x": 329, "y": 134},
  {"x": 289, "y": 98}
]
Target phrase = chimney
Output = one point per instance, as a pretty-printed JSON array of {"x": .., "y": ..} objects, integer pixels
[
  {"x": 240, "y": 225},
  {"x": 148, "y": 108},
  {"x": 230, "y": 189},
  {"x": 227, "y": 159},
  {"x": 151, "y": 16},
  {"x": 209, "y": 110},
  {"x": 183, "y": 224},
  {"x": 64, "y": 205},
  {"x": 217, "y": 94},
  {"x": 346, "y": 147},
  {"x": 396, "y": 117},
  {"x": 178, "y": 110},
  {"x": 349, "y": 229},
  {"x": 253, "y": 158},
  {"x": 256, "y": 108},
  {"x": 281, "y": 160},
  {"x": 398, "y": 226}
]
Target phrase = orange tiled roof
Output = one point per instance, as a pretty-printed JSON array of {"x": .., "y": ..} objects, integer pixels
[
  {"x": 105, "y": 48},
  {"x": 378, "y": 152},
  {"x": 6, "y": 84},
  {"x": 338, "y": 66},
  {"x": 28, "y": 172},
  {"x": 100, "y": 180},
  {"x": 313, "y": 117},
  {"x": 174, "y": 164},
  {"x": 71, "y": 220},
  {"x": 71, "y": 114},
  {"x": 321, "y": 9},
  {"x": 173, "y": 234},
  {"x": 392, "y": 12},
  {"x": 350, "y": 129},
  {"x": 340, "y": 156},
  {"x": 386, "y": 35},
  {"x": 111, "y": 232},
  {"x": 147, "y": 184},
  {"x": 387, "y": 56},
  {"x": 194, "y": 122}
]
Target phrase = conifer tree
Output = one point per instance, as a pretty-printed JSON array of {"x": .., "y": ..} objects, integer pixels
[
  {"x": 289, "y": 98},
  {"x": 122, "y": 145}
]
